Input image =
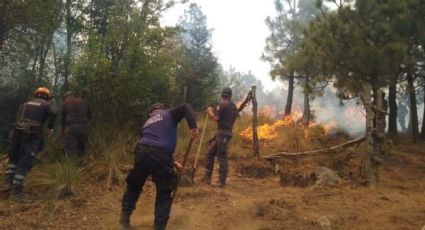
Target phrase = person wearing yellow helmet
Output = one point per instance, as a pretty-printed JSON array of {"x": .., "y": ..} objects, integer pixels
[
  {"x": 43, "y": 93},
  {"x": 26, "y": 140}
]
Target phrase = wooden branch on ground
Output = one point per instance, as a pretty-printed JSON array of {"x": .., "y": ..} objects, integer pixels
[{"x": 312, "y": 152}]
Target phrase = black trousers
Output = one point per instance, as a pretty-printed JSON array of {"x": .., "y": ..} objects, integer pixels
[
  {"x": 24, "y": 147},
  {"x": 219, "y": 148},
  {"x": 76, "y": 139},
  {"x": 150, "y": 161}
]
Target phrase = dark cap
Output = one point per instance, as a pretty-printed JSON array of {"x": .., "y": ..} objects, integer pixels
[
  {"x": 227, "y": 92},
  {"x": 156, "y": 106}
]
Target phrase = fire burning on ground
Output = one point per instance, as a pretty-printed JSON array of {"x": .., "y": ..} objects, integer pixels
[{"x": 271, "y": 131}]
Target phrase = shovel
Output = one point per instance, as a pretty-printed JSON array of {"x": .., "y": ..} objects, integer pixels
[{"x": 180, "y": 173}]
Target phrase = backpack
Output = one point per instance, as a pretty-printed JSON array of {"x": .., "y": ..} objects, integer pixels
[{"x": 26, "y": 125}]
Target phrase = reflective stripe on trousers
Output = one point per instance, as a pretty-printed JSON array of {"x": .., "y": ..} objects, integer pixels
[{"x": 19, "y": 179}]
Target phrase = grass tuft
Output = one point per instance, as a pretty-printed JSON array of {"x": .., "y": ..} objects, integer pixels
[{"x": 62, "y": 178}]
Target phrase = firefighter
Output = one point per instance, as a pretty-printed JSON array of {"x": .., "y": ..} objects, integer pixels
[
  {"x": 153, "y": 156},
  {"x": 27, "y": 139},
  {"x": 225, "y": 115},
  {"x": 76, "y": 115}
]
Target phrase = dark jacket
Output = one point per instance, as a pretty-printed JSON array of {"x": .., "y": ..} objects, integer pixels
[
  {"x": 75, "y": 111},
  {"x": 36, "y": 112},
  {"x": 227, "y": 112}
]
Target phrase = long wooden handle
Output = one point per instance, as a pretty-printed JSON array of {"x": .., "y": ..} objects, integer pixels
[
  {"x": 179, "y": 175},
  {"x": 200, "y": 142},
  {"x": 186, "y": 155}
]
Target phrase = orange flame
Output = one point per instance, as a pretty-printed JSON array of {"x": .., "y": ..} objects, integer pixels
[
  {"x": 271, "y": 131},
  {"x": 267, "y": 131}
]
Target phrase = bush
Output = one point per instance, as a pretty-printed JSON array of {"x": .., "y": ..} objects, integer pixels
[
  {"x": 293, "y": 139},
  {"x": 316, "y": 134},
  {"x": 111, "y": 155},
  {"x": 61, "y": 178}
]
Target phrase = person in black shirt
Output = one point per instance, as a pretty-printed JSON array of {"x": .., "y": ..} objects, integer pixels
[
  {"x": 154, "y": 157},
  {"x": 26, "y": 140},
  {"x": 225, "y": 115},
  {"x": 76, "y": 115}
]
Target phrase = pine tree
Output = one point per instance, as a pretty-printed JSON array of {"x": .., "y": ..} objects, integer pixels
[{"x": 198, "y": 67}]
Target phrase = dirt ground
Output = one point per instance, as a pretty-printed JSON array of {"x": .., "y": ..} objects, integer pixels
[{"x": 247, "y": 203}]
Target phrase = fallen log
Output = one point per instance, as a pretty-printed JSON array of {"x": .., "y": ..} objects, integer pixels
[{"x": 312, "y": 152}]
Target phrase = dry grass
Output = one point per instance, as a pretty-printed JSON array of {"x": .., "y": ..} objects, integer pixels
[
  {"x": 111, "y": 156},
  {"x": 61, "y": 178}
]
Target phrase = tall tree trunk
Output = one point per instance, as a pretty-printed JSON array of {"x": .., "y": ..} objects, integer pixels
[
  {"x": 56, "y": 65},
  {"x": 392, "y": 103},
  {"x": 413, "y": 108},
  {"x": 289, "y": 99},
  {"x": 35, "y": 61},
  {"x": 423, "y": 119},
  {"x": 369, "y": 168},
  {"x": 1, "y": 42},
  {"x": 306, "y": 112},
  {"x": 69, "y": 33},
  {"x": 3, "y": 32},
  {"x": 255, "y": 143},
  {"x": 43, "y": 54}
]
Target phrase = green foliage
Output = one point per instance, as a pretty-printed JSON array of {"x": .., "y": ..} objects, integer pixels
[
  {"x": 111, "y": 153},
  {"x": 63, "y": 178},
  {"x": 197, "y": 73},
  {"x": 357, "y": 51},
  {"x": 284, "y": 50},
  {"x": 127, "y": 67}
]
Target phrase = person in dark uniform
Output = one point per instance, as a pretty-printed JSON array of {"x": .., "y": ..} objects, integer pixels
[
  {"x": 76, "y": 115},
  {"x": 26, "y": 140},
  {"x": 225, "y": 115},
  {"x": 154, "y": 157}
]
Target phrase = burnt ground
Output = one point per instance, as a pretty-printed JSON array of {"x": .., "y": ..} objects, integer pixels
[{"x": 246, "y": 203}]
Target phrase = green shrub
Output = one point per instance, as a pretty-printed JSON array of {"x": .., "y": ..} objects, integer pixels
[
  {"x": 62, "y": 178},
  {"x": 111, "y": 155}
]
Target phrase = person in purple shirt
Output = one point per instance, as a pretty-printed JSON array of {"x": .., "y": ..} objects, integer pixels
[{"x": 154, "y": 157}]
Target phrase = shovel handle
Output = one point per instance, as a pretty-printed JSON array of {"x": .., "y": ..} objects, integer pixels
[
  {"x": 200, "y": 143},
  {"x": 179, "y": 175}
]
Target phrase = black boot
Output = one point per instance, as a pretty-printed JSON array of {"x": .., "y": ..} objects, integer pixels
[
  {"x": 17, "y": 195},
  {"x": 125, "y": 219},
  {"x": 159, "y": 227},
  {"x": 7, "y": 185},
  {"x": 222, "y": 183}
]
